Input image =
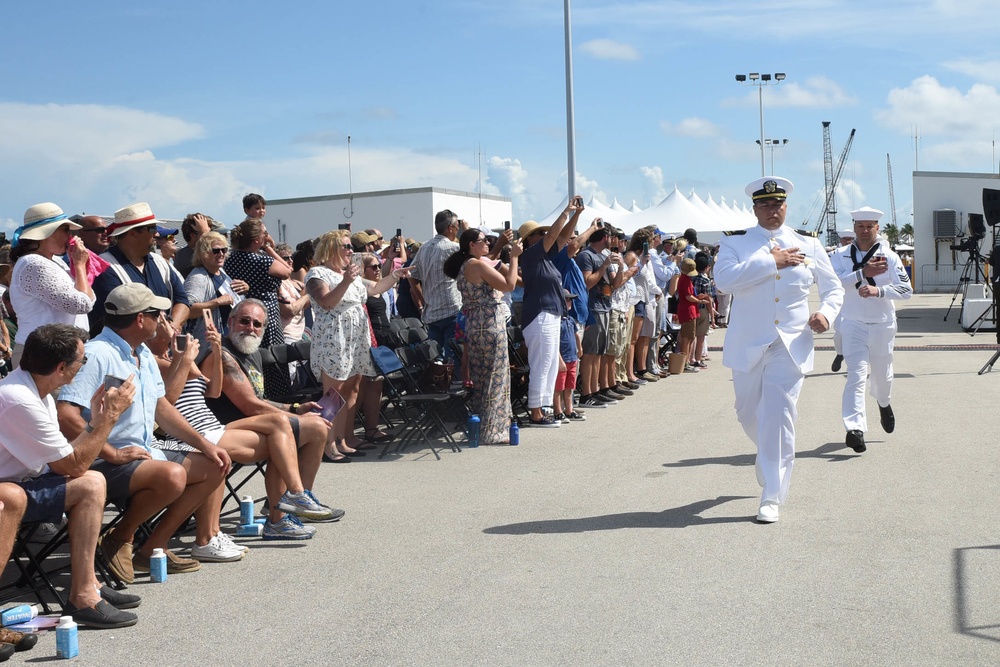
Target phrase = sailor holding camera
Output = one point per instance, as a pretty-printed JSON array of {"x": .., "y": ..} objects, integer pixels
[{"x": 874, "y": 278}]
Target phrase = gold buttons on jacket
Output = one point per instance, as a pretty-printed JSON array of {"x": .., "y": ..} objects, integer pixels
[
  {"x": 777, "y": 322},
  {"x": 777, "y": 277},
  {"x": 776, "y": 299}
]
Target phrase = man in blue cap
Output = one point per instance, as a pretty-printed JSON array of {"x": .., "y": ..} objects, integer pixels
[{"x": 769, "y": 270}]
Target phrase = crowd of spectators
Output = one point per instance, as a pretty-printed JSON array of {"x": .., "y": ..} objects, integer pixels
[{"x": 135, "y": 375}]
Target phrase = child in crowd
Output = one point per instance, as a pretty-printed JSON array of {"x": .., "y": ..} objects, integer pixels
[{"x": 569, "y": 351}]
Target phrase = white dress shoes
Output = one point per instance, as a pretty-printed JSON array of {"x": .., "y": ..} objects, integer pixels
[{"x": 768, "y": 511}]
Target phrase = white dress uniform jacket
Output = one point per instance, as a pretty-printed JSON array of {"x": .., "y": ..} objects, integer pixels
[
  {"x": 769, "y": 303},
  {"x": 892, "y": 285}
]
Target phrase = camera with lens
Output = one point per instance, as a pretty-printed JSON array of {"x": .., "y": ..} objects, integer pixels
[{"x": 967, "y": 245}]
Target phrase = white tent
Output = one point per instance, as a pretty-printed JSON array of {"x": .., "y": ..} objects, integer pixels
[{"x": 672, "y": 215}]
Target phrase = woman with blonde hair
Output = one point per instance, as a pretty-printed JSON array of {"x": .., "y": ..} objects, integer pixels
[
  {"x": 340, "y": 352},
  {"x": 209, "y": 286}
]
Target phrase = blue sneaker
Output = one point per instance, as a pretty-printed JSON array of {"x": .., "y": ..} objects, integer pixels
[
  {"x": 289, "y": 528},
  {"x": 305, "y": 506}
]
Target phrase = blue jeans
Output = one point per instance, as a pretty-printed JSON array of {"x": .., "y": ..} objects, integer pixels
[{"x": 443, "y": 331}]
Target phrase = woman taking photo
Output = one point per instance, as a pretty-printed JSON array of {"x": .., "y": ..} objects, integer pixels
[
  {"x": 341, "y": 346},
  {"x": 209, "y": 287},
  {"x": 254, "y": 260},
  {"x": 482, "y": 284}
]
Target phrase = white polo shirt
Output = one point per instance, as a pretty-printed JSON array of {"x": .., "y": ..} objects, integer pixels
[{"x": 30, "y": 438}]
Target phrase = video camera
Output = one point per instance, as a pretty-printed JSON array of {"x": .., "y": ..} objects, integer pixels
[{"x": 969, "y": 244}]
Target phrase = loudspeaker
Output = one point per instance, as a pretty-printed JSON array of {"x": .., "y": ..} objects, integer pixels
[
  {"x": 977, "y": 228},
  {"x": 991, "y": 206}
]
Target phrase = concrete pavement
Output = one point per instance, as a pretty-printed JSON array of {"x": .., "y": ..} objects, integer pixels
[{"x": 629, "y": 540}]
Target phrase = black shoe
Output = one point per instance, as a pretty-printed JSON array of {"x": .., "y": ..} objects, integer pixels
[
  {"x": 837, "y": 361},
  {"x": 102, "y": 615},
  {"x": 888, "y": 419},
  {"x": 6, "y": 650},
  {"x": 119, "y": 599},
  {"x": 623, "y": 390},
  {"x": 856, "y": 441},
  {"x": 612, "y": 394}
]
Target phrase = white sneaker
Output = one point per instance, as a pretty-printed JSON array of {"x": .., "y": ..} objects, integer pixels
[
  {"x": 768, "y": 511},
  {"x": 216, "y": 551},
  {"x": 228, "y": 541}
]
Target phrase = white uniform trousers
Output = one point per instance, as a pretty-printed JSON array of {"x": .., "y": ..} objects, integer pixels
[
  {"x": 867, "y": 350},
  {"x": 542, "y": 339},
  {"x": 765, "y": 405}
]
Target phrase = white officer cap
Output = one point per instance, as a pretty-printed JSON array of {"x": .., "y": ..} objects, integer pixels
[{"x": 769, "y": 187}]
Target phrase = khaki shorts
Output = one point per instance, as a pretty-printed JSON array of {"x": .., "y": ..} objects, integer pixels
[
  {"x": 618, "y": 334},
  {"x": 703, "y": 321}
]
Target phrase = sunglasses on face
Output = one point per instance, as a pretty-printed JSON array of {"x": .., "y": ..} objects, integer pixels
[
  {"x": 219, "y": 251},
  {"x": 96, "y": 230},
  {"x": 249, "y": 321}
]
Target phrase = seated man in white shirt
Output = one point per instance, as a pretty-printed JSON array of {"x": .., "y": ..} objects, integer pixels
[{"x": 55, "y": 473}]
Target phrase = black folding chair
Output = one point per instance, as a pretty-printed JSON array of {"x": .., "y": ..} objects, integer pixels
[
  {"x": 518, "y": 352},
  {"x": 419, "y": 411}
]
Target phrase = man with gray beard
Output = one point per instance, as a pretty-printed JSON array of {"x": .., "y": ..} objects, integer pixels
[{"x": 243, "y": 389}]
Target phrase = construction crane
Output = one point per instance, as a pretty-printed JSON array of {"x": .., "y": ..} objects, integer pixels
[
  {"x": 828, "y": 218},
  {"x": 892, "y": 197}
]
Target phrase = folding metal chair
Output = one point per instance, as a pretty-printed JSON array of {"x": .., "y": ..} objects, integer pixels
[
  {"x": 519, "y": 371},
  {"x": 418, "y": 411}
]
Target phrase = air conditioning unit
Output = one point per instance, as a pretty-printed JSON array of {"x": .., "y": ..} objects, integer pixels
[{"x": 947, "y": 223}]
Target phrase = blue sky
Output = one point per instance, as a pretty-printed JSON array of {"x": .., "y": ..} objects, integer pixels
[{"x": 191, "y": 105}]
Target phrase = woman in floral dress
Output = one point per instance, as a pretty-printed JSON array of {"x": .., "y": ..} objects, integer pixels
[
  {"x": 482, "y": 286},
  {"x": 341, "y": 345}
]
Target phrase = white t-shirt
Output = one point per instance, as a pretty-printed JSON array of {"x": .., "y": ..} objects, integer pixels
[{"x": 30, "y": 438}]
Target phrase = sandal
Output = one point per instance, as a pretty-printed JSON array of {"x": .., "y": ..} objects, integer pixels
[
  {"x": 335, "y": 459},
  {"x": 376, "y": 436}
]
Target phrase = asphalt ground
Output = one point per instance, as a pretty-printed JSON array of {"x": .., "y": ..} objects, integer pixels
[{"x": 629, "y": 540}]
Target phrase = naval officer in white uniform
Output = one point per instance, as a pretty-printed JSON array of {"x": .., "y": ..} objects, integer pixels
[
  {"x": 769, "y": 270},
  {"x": 874, "y": 278}
]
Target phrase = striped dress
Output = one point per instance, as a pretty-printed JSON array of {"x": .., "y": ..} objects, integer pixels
[{"x": 191, "y": 405}]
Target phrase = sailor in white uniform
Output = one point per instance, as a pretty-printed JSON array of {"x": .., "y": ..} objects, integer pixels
[
  {"x": 846, "y": 238},
  {"x": 769, "y": 270},
  {"x": 874, "y": 278}
]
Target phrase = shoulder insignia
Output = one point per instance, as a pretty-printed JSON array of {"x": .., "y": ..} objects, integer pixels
[
  {"x": 804, "y": 232},
  {"x": 738, "y": 232}
]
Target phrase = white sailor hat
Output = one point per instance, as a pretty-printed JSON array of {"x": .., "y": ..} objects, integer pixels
[
  {"x": 867, "y": 214},
  {"x": 769, "y": 187},
  {"x": 846, "y": 234}
]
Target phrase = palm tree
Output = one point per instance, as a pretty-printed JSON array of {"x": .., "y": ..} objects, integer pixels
[
  {"x": 892, "y": 233},
  {"x": 906, "y": 233}
]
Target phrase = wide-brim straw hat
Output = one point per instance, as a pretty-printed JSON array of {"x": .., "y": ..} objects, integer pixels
[
  {"x": 130, "y": 217},
  {"x": 41, "y": 221}
]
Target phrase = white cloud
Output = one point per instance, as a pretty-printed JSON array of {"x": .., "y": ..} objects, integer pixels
[
  {"x": 607, "y": 49},
  {"x": 653, "y": 189},
  {"x": 699, "y": 128},
  {"x": 941, "y": 111},
  {"x": 508, "y": 178},
  {"x": 981, "y": 70},
  {"x": 814, "y": 92},
  {"x": 97, "y": 159},
  {"x": 588, "y": 188}
]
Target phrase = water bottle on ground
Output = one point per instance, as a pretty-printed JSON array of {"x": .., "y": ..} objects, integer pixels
[
  {"x": 515, "y": 433},
  {"x": 158, "y": 566},
  {"x": 67, "y": 643},
  {"x": 473, "y": 430}
]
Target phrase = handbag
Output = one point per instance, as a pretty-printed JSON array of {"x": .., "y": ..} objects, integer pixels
[{"x": 437, "y": 377}]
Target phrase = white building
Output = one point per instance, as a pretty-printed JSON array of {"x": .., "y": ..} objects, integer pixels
[
  {"x": 412, "y": 210},
  {"x": 937, "y": 268}
]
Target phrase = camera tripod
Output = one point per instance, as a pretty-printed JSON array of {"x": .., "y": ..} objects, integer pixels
[{"x": 971, "y": 272}]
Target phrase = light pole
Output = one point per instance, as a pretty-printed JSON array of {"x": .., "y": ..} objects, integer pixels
[
  {"x": 760, "y": 80},
  {"x": 772, "y": 143}
]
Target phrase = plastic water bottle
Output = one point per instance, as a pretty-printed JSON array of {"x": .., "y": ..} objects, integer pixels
[
  {"x": 515, "y": 433},
  {"x": 250, "y": 530},
  {"x": 246, "y": 510},
  {"x": 158, "y": 566},
  {"x": 473, "y": 428},
  {"x": 67, "y": 643},
  {"x": 18, "y": 614}
]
